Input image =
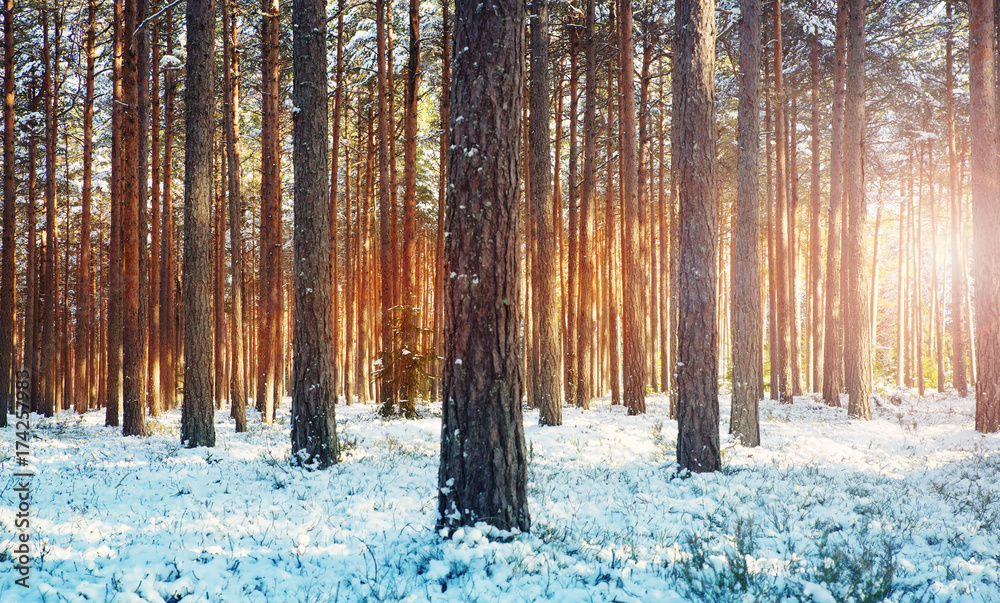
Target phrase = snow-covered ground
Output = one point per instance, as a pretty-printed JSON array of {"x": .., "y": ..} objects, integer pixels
[{"x": 905, "y": 507}]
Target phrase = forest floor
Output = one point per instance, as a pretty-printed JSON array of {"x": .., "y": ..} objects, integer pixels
[{"x": 905, "y": 507}]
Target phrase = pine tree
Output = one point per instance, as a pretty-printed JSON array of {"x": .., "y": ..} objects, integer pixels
[{"x": 483, "y": 472}]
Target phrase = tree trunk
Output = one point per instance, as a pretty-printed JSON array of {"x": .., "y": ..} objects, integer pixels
[
  {"x": 958, "y": 342},
  {"x": 269, "y": 315},
  {"x": 48, "y": 365},
  {"x": 857, "y": 344},
  {"x": 748, "y": 367},
  {"x": 572, "y": 178},
  {"x": 833, "y": 353},
  {"x": 168, "y": 275},
  {"x": 384, "y": 205},
  {"x": 545, "y": 395},
  {"x": 231, "y": 116},
  {"x": 610, "y": 298},
  {"x": 585, "y": 309},
  {"x": 815, "y": 338},
  {"x": 697, "y": 378},
  {"x": 314, "y": 377},
  {"x": 32, "y": 325},
  {"x": 8, "y": 277},
  {"x": 442, "y": 178},
  {"x": 986, "y": 225},
  {"x": 197, "y": 425},
  {"x": 783, "y": 320},
  {"x": 483, "y": 473},
  {"x": 633, "y": 284},
  {"x": 407, "y": 396}
]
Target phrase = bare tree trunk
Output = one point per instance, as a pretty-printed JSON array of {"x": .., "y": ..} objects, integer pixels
[
  {"x": 833, "y": 353},
  {"x": 50, "y": 292},
  {"x": 783, "y": 319},
  {"x": 409, "y": 285},
  {"x": 748, "y": 361},
  {"x": 197, "y": 426},
  {"x": 32, "y": 325},
  {"x": 585, "y": 310},
  {"x": 815, "y": 252},
  {"x": 633, "y": 285},
  {"x": 572, "y": 181},
  {"x": 231, "y": 116},
  {"x": 611, "y": 301},
  {"x": 986, "y": 225},
  {"x": 269, "y": 315},
  {"x": 154, "y": 397},
  {"x": 8, "y": 277},
  {"x": 698, "y": 447},
  {"x": 385, "y": 394},
  {"x": 442, "y": 178},
  {"x": 857, "y": 344},
  {"x": 168, "y": 334},
  {"x": 314, "y": 376},
  {"x": 545, "y": 395},
  {"x": 483, "y": 474},
  {"x": 958, "y": 342}
]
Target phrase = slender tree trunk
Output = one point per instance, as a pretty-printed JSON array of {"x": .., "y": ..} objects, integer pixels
[
  {"x": 545, "y": 395},
  {"x": 572, "y": 179},
  {"x": 585, "y": 309},
  {"x": 154, "y": 394},
  {"x": 269, "y": 331},
  {"x": 857, "y": 344},
  {"x": 231, "y": 116},
  {"x": 794, "y": 316},
  {"x": 442, "y": 179},
  {"x": 647, "y": 213},
  {"x": 665, "y": 284},
  {"x": 48, "y": 366},
  {"x": 781, "y": 233},
  {"x": 168, "y": 334},
  {"x": 833, "y": 353},
  {"x": 407, "y": 396},
  {"x": 611, "y": 300},
  {"x": 197, "y": 426},
  {"x": 772, "y": 289},
  {"x": 483, "y": 473},
  {"x": 384, "y": 203},
  {"x": 986, "y": 225},
  {"x": 30, "y": 358},
  {"x": 748, "y": 361},
  {"x": 115, "y": 297},
  {"x": 8, "y": 277},
  {"x": 958, "y": 342},
  {"x": 815, "y": 251},
  {"x": 633, "y": 282},
  {"x": 697, "y": 378}
]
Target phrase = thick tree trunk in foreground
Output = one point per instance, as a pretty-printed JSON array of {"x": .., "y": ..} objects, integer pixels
[
  {"x": 546, "y": 393},
  {"x": 483, "y": 472},
  {"x": 697, "y": 334},
  {"x": 314, "y": 385},
  {"x": 857, "y": 344},
  {"x": 197, "y": 424},
  {"x": 986, "y": 208},
  {"x": 748, "y": 359}
]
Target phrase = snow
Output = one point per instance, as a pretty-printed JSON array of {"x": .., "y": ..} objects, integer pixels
[{"x": 905, "y": 507}]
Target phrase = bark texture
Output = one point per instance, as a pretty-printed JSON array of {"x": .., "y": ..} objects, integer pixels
[
  {"x": 697, "y": 332},
  {"x": 986, "y": 208},
  {"x": 197, "y": 416},
  {"x": 314, "y": 385},
  {"x": 857, "y": 338},
  {"x": 546, "y": 393},
  {"x": 483, "y": 472},
  {"x": 748, "y": 353}
]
